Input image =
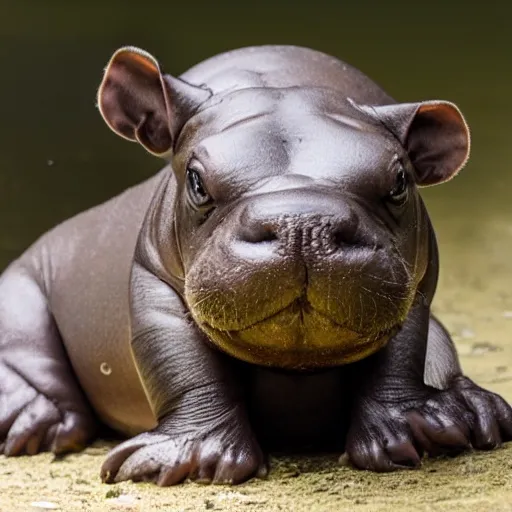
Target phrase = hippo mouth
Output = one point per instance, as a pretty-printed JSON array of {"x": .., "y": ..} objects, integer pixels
[
  {"x": 299, "y": 314},
  {"x": 299, "y": 336}
]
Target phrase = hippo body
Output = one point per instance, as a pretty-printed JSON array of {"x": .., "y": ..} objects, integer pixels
[{"x": 270, "y": 287}]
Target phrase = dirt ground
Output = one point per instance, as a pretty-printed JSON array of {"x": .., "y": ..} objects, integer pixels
[
  {"x": 474, "y": 300},
  {"x": 479, "y": 482}
]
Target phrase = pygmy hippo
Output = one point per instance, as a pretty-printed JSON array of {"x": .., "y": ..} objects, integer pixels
[{"x": 269, "y": 289}]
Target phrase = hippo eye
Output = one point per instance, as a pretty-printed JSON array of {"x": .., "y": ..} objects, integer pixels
[
  {"x": 196, "y": 189},
  {"x": 400, "y": 191}
]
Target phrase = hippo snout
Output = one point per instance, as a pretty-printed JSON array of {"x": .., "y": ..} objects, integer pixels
[
  {"x": 299, "y": 275},
  {"x": 298, "y": 224}
]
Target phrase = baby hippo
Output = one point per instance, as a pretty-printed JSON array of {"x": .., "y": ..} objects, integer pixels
[{"x": 269, "y": 289}]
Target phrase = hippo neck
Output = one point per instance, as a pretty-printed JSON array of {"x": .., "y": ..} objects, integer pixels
[{"x": 157, "y": 246}]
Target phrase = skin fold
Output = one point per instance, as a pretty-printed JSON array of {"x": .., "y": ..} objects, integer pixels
[{"x": 269, "y": 289}]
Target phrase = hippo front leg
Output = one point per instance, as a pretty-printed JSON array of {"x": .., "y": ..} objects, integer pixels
[
  {"x": 397, "y": 416},
  {"x": 203, "y": 432}
]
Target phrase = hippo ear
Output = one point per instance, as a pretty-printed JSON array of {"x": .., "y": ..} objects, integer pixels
[
  {"x": 434, "y": 134},
  {"x": 141, "y": 103}
]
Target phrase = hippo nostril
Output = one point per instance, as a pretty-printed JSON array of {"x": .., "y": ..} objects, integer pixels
[
  {"x": 343, "y": 237},
  {"x": 268, "y": 235},
  {"x": 259, "y": 233}
]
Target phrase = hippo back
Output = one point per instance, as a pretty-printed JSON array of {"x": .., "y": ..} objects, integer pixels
[{"x": 284, "y": 66}]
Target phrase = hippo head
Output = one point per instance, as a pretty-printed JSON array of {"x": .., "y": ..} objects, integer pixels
[{"x": 303, "y": 240}]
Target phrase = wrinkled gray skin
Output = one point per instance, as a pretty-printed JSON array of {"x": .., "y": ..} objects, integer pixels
[{"x": 270, "y": 287}]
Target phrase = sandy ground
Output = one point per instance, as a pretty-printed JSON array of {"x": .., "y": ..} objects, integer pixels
[
  {"x": 473, "y": 482},
  {"x": 475, "y": 302}
]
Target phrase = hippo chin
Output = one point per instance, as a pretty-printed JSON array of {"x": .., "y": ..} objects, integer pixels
[{"x": 270, "y": 288}]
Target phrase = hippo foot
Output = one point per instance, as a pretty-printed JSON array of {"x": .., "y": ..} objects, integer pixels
[
  {"x": 492, "y": 415},
  {"x": 389, "y": 436},
  {"x": 31, "y": 422},
  {"x": 219, "y": 456}
]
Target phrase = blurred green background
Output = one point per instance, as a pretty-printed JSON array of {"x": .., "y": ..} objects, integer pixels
[{"x": 57, "y": 157}]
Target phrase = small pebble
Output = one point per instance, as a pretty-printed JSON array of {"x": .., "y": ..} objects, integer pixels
[
  {"x": 467, "y": 333},
  {"x": 46, "y": 505},
  {"x": 124, "y": 501}
]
